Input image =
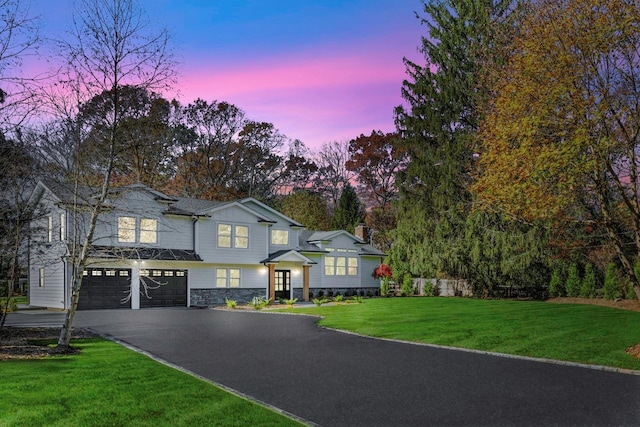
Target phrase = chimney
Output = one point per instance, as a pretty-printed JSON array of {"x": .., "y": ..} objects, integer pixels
[{"x": 362, "y": 232}]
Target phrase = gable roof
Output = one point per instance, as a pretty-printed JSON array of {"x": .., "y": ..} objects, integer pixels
[
  {"x": 323, "y": 236},
  {"x": 272, "y": 211},
  {"x": 287, "y": 255}
]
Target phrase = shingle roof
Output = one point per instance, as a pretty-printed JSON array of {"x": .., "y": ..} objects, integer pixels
[{"x": 160, "y": 254}]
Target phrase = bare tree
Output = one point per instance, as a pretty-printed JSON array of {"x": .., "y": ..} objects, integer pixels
[
  {"x": 18, "y": 39},
  {"x": 332, "y": 172},
  {"x": 110, "y": 45}
]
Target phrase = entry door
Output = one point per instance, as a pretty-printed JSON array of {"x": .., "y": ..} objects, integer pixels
[{"x": 283, "y": 284}]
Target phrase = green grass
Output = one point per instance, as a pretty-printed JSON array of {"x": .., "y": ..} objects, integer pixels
[
  {"x": 107, "y": 384},
  {"x": 571, "y": 332}
]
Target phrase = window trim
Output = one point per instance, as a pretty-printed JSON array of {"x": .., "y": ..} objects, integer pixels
[
  {"x": 41, "y": 277},
  {"x": 227, "y": 277},
  {"x": 49, "y": 229},
  {"x": 233, "y": 236},
  {"x": 276, "y": 231},
  {"x": 122, "y": 238},
  {"x": 149, "y": 231},
  {"x": 63, "y": 227}
]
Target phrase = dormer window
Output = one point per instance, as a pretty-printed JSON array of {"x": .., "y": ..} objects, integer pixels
[{"x": 127, "y": 230}]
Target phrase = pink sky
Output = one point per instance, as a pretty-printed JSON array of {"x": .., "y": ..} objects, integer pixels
[{"x": 319, "y": 70}]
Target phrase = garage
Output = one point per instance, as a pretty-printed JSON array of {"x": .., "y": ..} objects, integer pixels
[
  {"x": 163, "y": 288},
  {"x": 105, "y": 288}
]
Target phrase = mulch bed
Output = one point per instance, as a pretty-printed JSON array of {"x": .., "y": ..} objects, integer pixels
[{"x": 32, "y": 343}]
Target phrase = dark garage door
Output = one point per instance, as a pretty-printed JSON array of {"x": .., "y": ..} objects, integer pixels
[
  {"x": 105, "y": 288},
  {"x": 163, "y": 288}
]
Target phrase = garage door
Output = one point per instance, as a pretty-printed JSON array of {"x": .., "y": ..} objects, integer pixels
[
  {"x": 105, "y": 288},
  {"x": 163, "y": 288}
]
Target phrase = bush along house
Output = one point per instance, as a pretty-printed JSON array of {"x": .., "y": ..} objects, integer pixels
[{"x": 154, "y": 250}]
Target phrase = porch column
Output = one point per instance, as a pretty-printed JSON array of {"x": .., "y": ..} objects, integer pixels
[
  {"x": 305, "y": 283},
  {"x": 272, "y": 281},
  {"x": 135, "y": 288}
]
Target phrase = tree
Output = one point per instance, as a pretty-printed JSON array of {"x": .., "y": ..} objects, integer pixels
[
  {"x": 111, "y": 47},
  {"x": 332, "y": 172},
  {"x": 438, "y": 232},
  {"x": 375, "y": 160},
  {"x": 349, "y": 212},
  {"x": 19, "y": 38},
  {"x": 18, "y": 172},
  {"x": 562, "y": 146},
  {"x": 573, "y": 281},
  {"x": 589, "y": 282},
  {"x": 308, "y": 209}
]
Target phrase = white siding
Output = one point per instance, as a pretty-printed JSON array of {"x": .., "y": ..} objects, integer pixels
[
  {"x": 52, "y": 293},
  {"x": 252, "y": 276}
]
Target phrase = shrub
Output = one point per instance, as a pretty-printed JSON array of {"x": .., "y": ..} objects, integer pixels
[
  {"x": 320, "y": 294},
  {"x": 338, "y": 298},
  {"x": 290, "y": 302},
  {"x": 381, "y": 271},
  {"x": 329, "y": 293},
  {"x": 357, "y": 299},
  {"x": 407, "y": 285},
  {"x": 362, "y": 293},
  {"x": 572, "y": 286},
  {"x": 259, "y": 303},
  {"x": 556, "y": 286},
  {"x": 588, "y": 286},
  {"x": 385, "y": 286},
  {"x": 611, "y": 290},
  {"x": 231, "y": 303},
  {"x": 320, "y": 301}
]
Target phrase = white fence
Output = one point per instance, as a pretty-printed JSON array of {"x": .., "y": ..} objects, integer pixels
[{"x": 446, "y": 287}]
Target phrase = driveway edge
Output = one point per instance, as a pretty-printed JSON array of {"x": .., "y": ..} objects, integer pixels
[{"x": 200, "y": 377}]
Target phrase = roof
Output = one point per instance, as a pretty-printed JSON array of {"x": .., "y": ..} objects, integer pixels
[
  {"x": 308, "y": 237},
  {"x": 287, "y": 255},
  {"x": 160, "y": 254}
]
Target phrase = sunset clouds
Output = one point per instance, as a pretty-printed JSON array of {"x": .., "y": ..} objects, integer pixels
[{"x": 320, "y": 71}]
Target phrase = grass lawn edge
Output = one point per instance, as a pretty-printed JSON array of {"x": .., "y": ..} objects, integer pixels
[{"x": 214, "y": 383}]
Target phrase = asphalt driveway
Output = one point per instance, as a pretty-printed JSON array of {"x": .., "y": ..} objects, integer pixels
[{"x": 336, "y": 379}]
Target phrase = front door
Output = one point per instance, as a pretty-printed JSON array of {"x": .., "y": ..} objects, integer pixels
[{"x": 283, "y": 284}]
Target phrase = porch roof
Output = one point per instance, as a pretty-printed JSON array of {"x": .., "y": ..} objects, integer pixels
[{"x": 287, "y": 255}]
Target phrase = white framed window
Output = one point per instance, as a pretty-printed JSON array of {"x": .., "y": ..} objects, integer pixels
[
  {"x": 148, "y": 230},
  {"x": 126, "y": 229},
  {"x": 227, "y": 277},
  {"x": 341, "y": 266},
  {"x": 41, "y": 277},
  {"x": 329, "y": 265},
  {"x": 236, "y": 234},
  {"x": 242, "y": 237},
  {"x": 279, "y": 237},
  {"x": 63, "y": 227},
  {"x": 110, "y": 273},
  {"x": 221, "y": 277},
  {"x": 49, "y": 229},
  {"x": 234, "y": 277},
  {"x": 96, "y": 272},
  {"x": 353, "y": 266},
  {"x": 224, "y": 235}
]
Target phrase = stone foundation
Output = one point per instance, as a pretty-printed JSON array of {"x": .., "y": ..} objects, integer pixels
[
  {"x": 209, "y": 297},
  {"x": 345, "y": 292}
]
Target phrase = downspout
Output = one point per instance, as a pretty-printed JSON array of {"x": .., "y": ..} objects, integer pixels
[{"x": 194, "y": 220}]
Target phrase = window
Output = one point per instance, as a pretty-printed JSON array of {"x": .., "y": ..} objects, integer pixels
[
  {"x": 41, "y": 277},
  {"x": 242, "y": 237},
  {"x": 126, "y": 229},
  {"x": 96, "y": 272},
  {"x": 110, "y": 273},
  {"x": 227, "y": 277},
  {"x": 221, "y": 277},
  {"x": 341, "y": 266},
  {"x": 329, "y": 265},
  {"x": 156, "y": 273},
  {"x": 279, "y": 237},
  {"x": 234, "y": 277},
  {"x": 49, "y": 229},
  {"x": 63, "y": 224},
  {"x": 353, "y": 266},
  {"x": 123, "y": 272},
  {"x": 224, "y": 235},
  {"x": 238, "y": 234},
  {"x": 148, "y": 230}
]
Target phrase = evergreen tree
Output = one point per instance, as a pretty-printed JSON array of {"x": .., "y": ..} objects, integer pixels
[
  {"x": 573, "y": 281},
  {"x": 588, "y": 286},
  {"x": 349, "y": 212},
  {"x": 556, "y": 284},
  {"x": 438, "y": 232},
  {"x": 611, "y": 290}
]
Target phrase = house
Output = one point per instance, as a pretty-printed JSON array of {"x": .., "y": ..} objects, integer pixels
[{"x": 154, "y": 250}]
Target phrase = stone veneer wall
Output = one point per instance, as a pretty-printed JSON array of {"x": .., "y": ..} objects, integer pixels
[
  {"x": 329, "y": 292},
  {"x": 208, "y": 297}
]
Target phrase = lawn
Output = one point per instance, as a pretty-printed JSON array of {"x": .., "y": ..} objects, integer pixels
[
  {"x": 571, "y": 332},
  {"x": 107, "y": 384}
]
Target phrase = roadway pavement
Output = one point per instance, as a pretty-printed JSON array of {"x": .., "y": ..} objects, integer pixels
[{"x": 335, "y": 379}]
